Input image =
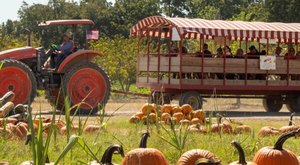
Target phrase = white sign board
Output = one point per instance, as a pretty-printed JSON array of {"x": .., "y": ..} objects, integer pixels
[{"x": 268, "y": 62}]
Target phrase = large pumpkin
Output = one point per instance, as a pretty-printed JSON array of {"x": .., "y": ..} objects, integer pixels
[
  {"x": 192, "y": 156},
  {"x": 290, "y": 127},
  {"x": 147, "y": 108},
  {"x": 277, "y": 155},
  {"x": 144, "y": 156},
  {"x": 242, "y": 160}
]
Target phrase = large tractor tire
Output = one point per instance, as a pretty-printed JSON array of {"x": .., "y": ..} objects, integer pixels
[
  {"x": 17, "y": 77},
  {"x": 86, "y": 83},
  {"x": 193, "y": 98},
  {"x": 273, "y": 103},
  {"x": 293, "y": 103}
]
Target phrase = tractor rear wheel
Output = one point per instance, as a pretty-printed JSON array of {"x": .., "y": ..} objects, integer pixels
[
  {"x": 273, "y": 103},
  {"x": 17, "y": 77},
  {"x": 87, "y": 84}
]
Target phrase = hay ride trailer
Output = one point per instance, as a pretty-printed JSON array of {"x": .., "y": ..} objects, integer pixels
[
  {"x": 78, "y": 77},
  {"x": 188, "y": 75}
]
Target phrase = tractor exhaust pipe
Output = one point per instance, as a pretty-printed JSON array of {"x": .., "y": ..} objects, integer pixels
[{"x": 28, "y": 37}]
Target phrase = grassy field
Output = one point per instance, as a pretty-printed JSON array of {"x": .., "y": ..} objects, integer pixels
[{"x": 120, "y": 131}]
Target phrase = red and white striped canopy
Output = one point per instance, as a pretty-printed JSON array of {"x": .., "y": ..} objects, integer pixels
[{"x": 194, "y": 28}]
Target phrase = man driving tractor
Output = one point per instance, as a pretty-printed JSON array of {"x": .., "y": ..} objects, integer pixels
[{"x": 59, "y": 53}]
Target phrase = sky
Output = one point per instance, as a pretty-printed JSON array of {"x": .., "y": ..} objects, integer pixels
[{"x": 9, "y": 8}]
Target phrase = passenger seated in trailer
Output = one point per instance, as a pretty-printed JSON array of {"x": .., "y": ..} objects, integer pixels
[
  {"x": 290, "y": 54},
  {"x": 239, "y": 53},
  {"x": 227, "y": 51},
  {"x": 219, "y": 52},
  {"x": 253, "y": 52},
  {"x": 278, "y": 51},
  {"x": 263, "y": 52},
  {"x": 173, "y": 49}
]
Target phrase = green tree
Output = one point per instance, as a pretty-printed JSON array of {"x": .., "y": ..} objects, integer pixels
[
  {"x": 283, "y": 10},
  {"x": 174, "y": 8},
  {"x": 119, "y": 59}
]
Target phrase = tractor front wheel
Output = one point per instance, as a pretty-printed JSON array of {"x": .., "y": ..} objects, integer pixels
[
  {"x": 88, "y": 86},
  {"x": 17, "y": 77}
]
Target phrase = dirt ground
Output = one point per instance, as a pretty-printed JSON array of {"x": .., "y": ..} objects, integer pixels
[{"x": 129, "y": 106}]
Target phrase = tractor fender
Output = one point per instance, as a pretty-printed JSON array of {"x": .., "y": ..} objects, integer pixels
[
  {"x": 78, "y": 57},
  {"x": 18, "y": 53}
]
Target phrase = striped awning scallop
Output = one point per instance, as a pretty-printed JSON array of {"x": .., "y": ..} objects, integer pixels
[{"x": 194, "y": 28}]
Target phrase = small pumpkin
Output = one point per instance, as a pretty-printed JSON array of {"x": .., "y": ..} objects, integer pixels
[
  {"x": 7, "y": 97},
  {"x": 63, "y": 130},
  {"x": 166, "y": 108},
  {"x": 192, "y": 156},
  {"x": 267, "y": 131},
  {"x": 242, "y": 129},
  {"x": 242, "y": 160},
  {"x": 185, "y": 122},
  {"x": 196, "y": 121},
  {"x": 147, "y": 108},
  {"x": 143, "y": 155},
  {"x": 290, "y": 127},
  {"x": 186, "y": 109},
  {"x": 6, "y": 108},
  {"x": 165, "y": 117},
  {"x": 197, "y": 128},
  {"x": 91, "y": 128},
  {"x": 134, "y": 119},
  {"x": 139, "y": 115},
  {"x": 277, "y": 155},
  {"x": 175, "y": 108},
  {"x": 200, "y": 114},
  {"x": 178, "y": 116},
  {"x": 221, "y": 127}
]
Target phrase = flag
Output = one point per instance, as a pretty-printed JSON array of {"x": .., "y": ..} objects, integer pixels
[{"x": 92, "y": 35}]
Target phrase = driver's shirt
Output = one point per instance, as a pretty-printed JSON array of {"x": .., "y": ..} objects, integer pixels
[{"x": 66, "y": 47}]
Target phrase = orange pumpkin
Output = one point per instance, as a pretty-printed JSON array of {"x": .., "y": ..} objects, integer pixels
[
  {"x": 167, "y": 108},
  {"x": 192, "y": 156},
  {"x": 175, "y": 108},
  {"x": 242, "y": 129},
  {"x": 199, "y": 114},
  {"x": 91, "y": 128},
  {"x": 139, "y": 115},
  {"x": 267, "y": 131},
  {"x": 290, "y": 127},
  {"x": 165, "y": 117},
  {"x": 144, "y": 156},
  {"x": 7, "y": 120},
  {"x": 277, "y": 155},
  {"x": 185, "y": 122},
  {"x": 242, "y": 160},
  {"x": 186, "y": 109},
  {"x": 134, "y": 119},
  {"x": 147, "y": 108},
  {"x": 178, "y": 116},
  {"x": 197, "y": 128},
  {"x": 63, "y": 130},
  {"x": 196, "y": 121},
  {"x": 221, "y": 127}
]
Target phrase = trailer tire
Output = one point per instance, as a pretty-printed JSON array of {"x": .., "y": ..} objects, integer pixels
[
  {"x": 273, "y": 104},
  {"x": 293, "y": 104},
  {"x": 193, "y": 98}
]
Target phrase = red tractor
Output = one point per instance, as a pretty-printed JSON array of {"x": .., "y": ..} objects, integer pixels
[{"x": 78, "y": 77}]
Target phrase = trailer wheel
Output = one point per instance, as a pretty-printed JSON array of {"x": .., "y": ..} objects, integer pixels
[
  {"x": 17, "y": 77},
  {"x": 89, "y": 83},
  {"x": 273, "y": 104},
  {"x": 160, "y": 98},
  {"x": 293, "y": 104},
  {"x": 193, "y": 98}
]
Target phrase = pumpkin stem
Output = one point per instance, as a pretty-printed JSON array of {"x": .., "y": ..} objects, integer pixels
[
  {"x": 291, "y": 119},
  {"x": 241, "y": 152},
  {"x": 107, "y": 156},
  {"x": 278, "y": 145},
  {"x": 143, "y": 142}
]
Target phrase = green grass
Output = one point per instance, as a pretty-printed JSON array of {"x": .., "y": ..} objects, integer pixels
[{"x": 120, "y": 131}]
